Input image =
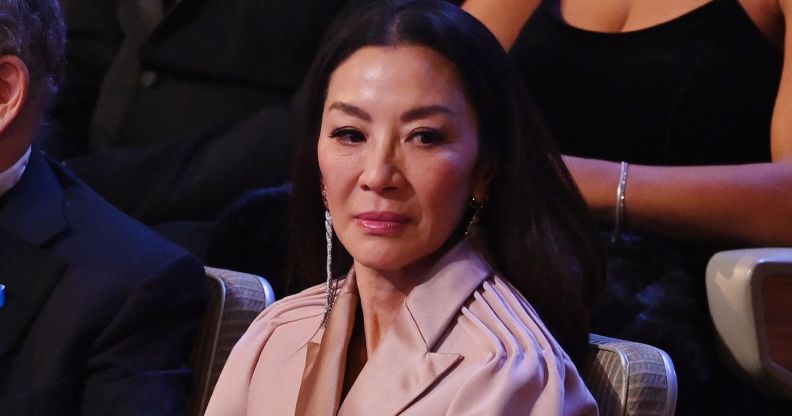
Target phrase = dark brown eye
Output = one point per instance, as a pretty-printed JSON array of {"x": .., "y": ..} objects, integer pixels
[
  {"x": 348, "y": 135},
  {"x": 426, "y": 137}
]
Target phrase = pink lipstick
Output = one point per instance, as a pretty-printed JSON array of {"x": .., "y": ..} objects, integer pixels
[{"x": 381, "y": 223}]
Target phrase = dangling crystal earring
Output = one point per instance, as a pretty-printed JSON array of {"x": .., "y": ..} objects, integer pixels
[
  {"x": 477, "y": 206},
  {"x": 330, "y": 289},
  {"x": 331, "y": 283}
]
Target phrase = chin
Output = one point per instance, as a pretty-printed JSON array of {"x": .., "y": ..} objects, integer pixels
[
  {"x": 412, "y": 263},
  {"x": 381, "y": 263},
  {"x": 383, "y": 260}
]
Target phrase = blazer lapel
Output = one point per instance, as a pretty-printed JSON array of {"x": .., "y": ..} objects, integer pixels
[
  {"x": 29, "y": 275},
  {"x": 398, "y": 372},
  {"x": 174, "y": 12},
  {"x": 405, "y": 364},
  {"x": 33, "y": 209},
  {"x": 325, "y": 362},
  {"x": 31, "y": 215}
]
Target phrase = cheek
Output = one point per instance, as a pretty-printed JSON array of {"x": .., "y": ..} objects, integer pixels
[
  {"x": 337, "y": 174},
  {"x": 325, "y": 163},
  {"x": 446, "y": 187}
]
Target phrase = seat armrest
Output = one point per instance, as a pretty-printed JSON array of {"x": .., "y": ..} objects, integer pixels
[
  {"x": 630, "y": 378},
  {"x": 750, "y": 299}
]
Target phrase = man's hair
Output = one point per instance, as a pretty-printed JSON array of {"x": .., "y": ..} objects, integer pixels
[{"x": 33, "y": 30}]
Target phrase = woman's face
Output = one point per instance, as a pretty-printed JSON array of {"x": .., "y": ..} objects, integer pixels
[{"x": 398, "y": 151}]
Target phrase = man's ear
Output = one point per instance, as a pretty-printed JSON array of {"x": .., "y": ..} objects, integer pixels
[{"x": 14, "y": 89}]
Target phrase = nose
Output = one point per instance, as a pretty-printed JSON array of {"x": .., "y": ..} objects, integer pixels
[{"x": 381, "y": 172}]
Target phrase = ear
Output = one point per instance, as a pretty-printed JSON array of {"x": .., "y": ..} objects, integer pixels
[{"x": 14, "y": 89}]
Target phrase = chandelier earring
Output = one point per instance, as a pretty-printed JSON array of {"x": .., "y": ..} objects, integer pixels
[{"x": 331, "y": 284}]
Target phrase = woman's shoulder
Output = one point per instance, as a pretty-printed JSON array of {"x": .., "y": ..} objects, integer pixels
[
  {"x": 279, "y": 331},
  {"x": 303, "y": 305},
  {"x": 297, "y": 316},
  {"x": 510, "y": 353},
  {"x": 503, "y": 323}
]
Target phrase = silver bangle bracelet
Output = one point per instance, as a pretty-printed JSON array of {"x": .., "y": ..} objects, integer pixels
[{"x": 621, "y": 189}]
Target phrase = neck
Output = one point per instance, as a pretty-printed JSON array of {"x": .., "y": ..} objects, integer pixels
[
  {"x": 16, "y": 137},
  {"x": 382, "y": 295}
]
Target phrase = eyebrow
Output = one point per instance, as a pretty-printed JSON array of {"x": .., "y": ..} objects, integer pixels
[
  {"x": 426, "y": 111},
  {"x": 414, "y": 114},
  {"x": 350, "y": 109}
]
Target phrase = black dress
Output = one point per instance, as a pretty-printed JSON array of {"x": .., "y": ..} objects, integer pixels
[{"x": 696, "y": 90}]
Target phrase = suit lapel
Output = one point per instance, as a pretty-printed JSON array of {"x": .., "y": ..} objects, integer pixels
[
  {"x": 29, "y": 275},
  {"x": 398, "y": 372},
  {"x": 31, "y": 214},
  {"x": 325, "y": 362},
  {"x": 405, "y": 364},
  {"x": 33, "y": 209},
  {"x": 175, "y": 11}
]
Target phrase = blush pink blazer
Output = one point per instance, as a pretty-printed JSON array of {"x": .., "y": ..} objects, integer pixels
[{"x": 464, "y": 343}]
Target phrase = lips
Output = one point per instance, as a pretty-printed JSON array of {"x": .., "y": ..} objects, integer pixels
[{"x": 381, "y": 223}]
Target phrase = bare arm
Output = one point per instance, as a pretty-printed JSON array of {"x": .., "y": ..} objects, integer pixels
[{"x": 749, "y": 204}]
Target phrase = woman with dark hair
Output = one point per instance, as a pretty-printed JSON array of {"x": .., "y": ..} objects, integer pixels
[{"x": 469, "y": 260}]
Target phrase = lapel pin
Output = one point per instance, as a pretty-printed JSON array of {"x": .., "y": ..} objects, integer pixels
[{"x": 2, "y": 295}]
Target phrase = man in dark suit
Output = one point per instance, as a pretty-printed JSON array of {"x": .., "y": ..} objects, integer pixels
[{"x": 97, "y": 313}]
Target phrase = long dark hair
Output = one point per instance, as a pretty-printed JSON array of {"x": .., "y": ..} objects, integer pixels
[{"x": 535, "y": 229}]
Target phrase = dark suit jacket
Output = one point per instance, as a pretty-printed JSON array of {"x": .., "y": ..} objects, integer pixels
[{"x": 100, "y": 312}]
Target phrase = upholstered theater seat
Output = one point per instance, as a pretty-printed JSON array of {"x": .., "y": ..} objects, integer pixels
[
  {"x": 236, "y": 298},
  {"x": 630, "y": 378},
  {"x": 750, "y": 299}
]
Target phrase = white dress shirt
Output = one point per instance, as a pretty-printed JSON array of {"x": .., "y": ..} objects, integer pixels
[{"x": 10, "y": 176}]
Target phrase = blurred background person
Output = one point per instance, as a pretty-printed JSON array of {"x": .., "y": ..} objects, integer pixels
[
  {"x": 675, "y": 119},
  {"x": 172, "y": 109}
]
